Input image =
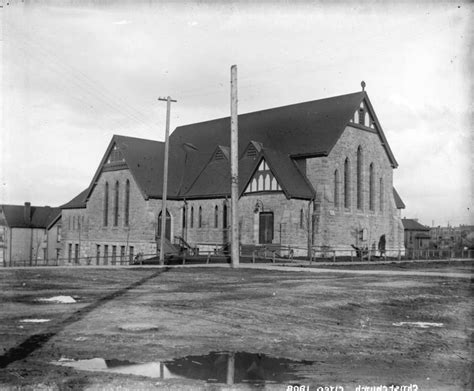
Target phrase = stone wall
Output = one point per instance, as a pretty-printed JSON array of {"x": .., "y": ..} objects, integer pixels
[
  {"x": 339, "y": 226},
  {"x": 336, "y": 227}
]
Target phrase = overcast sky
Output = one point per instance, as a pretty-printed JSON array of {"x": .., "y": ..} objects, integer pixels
[{"x": 74, "y": 73}]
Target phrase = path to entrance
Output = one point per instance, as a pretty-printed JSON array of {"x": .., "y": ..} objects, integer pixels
[
  {"x": 352, "y": 271},
  {"x": 276, "y": 267}
]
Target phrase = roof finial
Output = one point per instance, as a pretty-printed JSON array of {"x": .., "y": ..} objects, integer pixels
[{"x": 362, "y": 83}]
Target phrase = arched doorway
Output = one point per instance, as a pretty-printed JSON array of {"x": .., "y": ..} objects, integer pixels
[
  {"x": 382, "y": 244},
  {"x": 167, "y": 226}
]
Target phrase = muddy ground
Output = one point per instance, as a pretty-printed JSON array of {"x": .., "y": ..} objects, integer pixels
[{"x": 338, "y": 329}]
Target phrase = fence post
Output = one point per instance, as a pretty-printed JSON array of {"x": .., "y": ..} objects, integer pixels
[
  {"x": 399, "y": 254},
  {"x": 253, "y": 256},
  {"x": 352, "y": 257},
  {"x": 208, "y": 257},
  {"x": 273, "y": 257},
  {"x": 334, "y": 255},
  {"x": 184, "y": 259}
]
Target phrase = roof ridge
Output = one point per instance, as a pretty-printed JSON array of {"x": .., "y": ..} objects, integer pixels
[
  {"x": 272, "y": 108},
  {"x": 136, "y": 138}
]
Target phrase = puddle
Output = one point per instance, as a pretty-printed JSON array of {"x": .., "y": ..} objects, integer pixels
[
  {"x": 59, "y": 299},
  {"x": 34, "y": 320},
  {"x": 423, "y": 325},
  {"x": 215, "y": 367},
  {"x": 155, "y": 370}
]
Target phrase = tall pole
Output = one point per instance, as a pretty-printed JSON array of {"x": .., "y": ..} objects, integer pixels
[
  {"x": 165, "y": 179},
  {"x": 234, "y": 169}
]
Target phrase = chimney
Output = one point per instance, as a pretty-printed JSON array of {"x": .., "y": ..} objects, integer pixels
[{"x": 27, "y": 213}]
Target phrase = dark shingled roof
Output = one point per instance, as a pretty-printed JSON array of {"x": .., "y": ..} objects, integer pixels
[
  {"x": 145, "y": 159},
  {"x": 398, "y": 201},
  {"x": 77, "y": 202},
  {"x": 41, "y": 216},
  {"x": 214, "y": 179},
  {"x": 303, "y": 129},
  {"x": 413, "y": 225},
  {"x": 287, "y": 174}
]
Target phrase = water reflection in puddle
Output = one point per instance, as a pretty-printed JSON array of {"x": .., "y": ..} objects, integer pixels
[
  {"x": 215, "y": 367},
  {"x": 150, "y": 369}
]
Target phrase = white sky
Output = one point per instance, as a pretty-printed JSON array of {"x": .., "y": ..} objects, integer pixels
[{"x": 74, "y": 74}]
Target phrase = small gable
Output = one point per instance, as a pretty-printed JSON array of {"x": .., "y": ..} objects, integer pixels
[
  {"x": 252, "y": 150},
  {"x": 221, "y": 153},
  {"x": 263, "y": 180}
]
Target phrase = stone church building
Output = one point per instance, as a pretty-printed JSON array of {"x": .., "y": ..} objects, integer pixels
[{"x": 316, "y": 174}]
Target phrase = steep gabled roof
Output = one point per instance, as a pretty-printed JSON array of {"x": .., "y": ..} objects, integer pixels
[
  {"x": 299, "y": 130},
  {"x": 77, "y": 202},
  {"x": 290, "y": 178},
  {"x": 214, "y": 180},
  {"x": 144, "y": 159},
  {"x": 413, "y": 225},
  {"x": 398, "y": 200},
  {"x": 40, "y": 216}
]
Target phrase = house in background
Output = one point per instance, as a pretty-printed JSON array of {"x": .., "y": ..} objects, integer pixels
[
  {"x": 24, "y": 234},
  {"x": 417, "y": 236},
  {"x": 452, "y": 237},
  {"x": 317, "y": 174}
]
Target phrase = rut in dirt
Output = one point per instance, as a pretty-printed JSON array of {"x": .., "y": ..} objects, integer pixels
[{"x": 37, "y": 341}]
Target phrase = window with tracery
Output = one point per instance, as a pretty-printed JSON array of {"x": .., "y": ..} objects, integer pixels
[{"x": 263, "y": 180}]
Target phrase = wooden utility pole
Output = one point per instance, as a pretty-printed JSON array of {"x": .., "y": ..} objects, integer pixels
[
  {"x": 165, "y": 179},
  {"x": 234, "y": 169}
]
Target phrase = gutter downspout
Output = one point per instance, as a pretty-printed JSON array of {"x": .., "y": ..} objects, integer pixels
[
  {"x": 31, "y": 247},
  {"x": 10, "y": 245},
  {"x": 310, "y": 229}
]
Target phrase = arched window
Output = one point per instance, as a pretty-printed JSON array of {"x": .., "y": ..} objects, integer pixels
[
  {"x": 200, "y": 217},
  {"x": 336, "y": 189},
  {"x": 301, "y": 218},
  {"x": 254, "y": 185},
  {"x": 267, "y": 182},
  {"x": 347, "y": 184},
  {"x": 381, "y": 195},
  {"x": 359, "y": 178},
  {"x": 224, "y": 215},
  {"x": 126, "y": 203},
  {"x": 361, "y": 113},
  {"x": 367, "y": 119},
  {"x": 116, "y": 204},
  {"x": 274, "y": 184},
  {"x": 106, "y": 204},
  {"x": 191, "y": 218},
  {"x": 183, "y": 216},
  {"x": 371, "y": 187},
  {"x": 216, "y": 217}
]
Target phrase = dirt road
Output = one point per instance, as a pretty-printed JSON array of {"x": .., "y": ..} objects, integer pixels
[{"x": 327, "y": 328}]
